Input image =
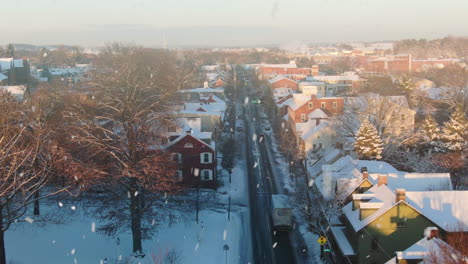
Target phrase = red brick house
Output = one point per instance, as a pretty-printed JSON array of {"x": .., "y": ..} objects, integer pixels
[
  {"x": 283, "y": 82},
  {"x": 302, "y": 106},
  {"x": 196, "y": 160}
]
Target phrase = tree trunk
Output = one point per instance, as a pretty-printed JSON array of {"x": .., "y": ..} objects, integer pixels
[
  {"x": 36, "y": 203},
  {"x": 2, "y": 239},
  {"x": 135, "y": 214}
]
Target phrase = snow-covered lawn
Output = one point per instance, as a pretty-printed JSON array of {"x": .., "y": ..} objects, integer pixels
[
  {"x": 78, "y": 242},
  {"x": 75, "y": 242}
]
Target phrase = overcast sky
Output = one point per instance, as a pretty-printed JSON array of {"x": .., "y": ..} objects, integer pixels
[{"x": 227, "y": 22}]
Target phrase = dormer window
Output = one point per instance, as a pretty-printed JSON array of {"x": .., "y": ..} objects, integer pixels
[{"x": 311, "y": 105}]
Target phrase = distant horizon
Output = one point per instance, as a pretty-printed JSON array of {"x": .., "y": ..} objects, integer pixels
[
  {"x": 266, "y": 44},
  {"x": 241, "y": 23}
]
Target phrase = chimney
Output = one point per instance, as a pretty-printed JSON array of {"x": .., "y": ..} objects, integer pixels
[
  {"x": 400, "y": 195},
  {"x": 205, "y": 84},
  {"x": 431, "y": 232},
  {"x": 363, "y": 169},
  {"x": 189, "y": 132},
  {"x": 365, "y": 175},
  {"x": 383, "y": 179}
]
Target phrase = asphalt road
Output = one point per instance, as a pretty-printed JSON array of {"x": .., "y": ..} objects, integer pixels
[{"x": 268, "y": 247}]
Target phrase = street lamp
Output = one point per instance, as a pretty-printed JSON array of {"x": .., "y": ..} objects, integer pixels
[{"x": 226, "y": 248}]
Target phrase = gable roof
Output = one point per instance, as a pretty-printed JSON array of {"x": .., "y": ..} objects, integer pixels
[
  {"x": 346, "y": 170},
  {"x": 182, "y": 136},
  {"x": 424, "y": 247},
  {"x": 202, "y": 90},
  {"x": 279, "y": 78},
  {"x": 447, "y": 209},
  {"x": 318, "y": 113}
]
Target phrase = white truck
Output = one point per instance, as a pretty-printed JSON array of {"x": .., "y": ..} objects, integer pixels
[{"x": 282, "y": 213}]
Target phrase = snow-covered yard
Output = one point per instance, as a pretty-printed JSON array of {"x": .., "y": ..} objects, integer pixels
[{"x": 75, "y": 242}]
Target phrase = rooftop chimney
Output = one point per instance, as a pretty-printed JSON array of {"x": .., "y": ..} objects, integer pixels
[
  {"x": 365, "y": 175},
  {"x": 189, "y": 132},
  {"x": 400, "y": 195},
  {"x": 383, "y": 179},
  {"x": 363, "y": 169},
  {"x": 431, "y": 232}
]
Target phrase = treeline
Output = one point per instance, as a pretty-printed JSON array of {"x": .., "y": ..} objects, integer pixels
[{"x": 448, "y": 47}]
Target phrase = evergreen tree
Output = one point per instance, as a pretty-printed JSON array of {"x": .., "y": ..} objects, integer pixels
[
  {"x": 406, "y": 85},
  {"x": 368, "y": 144},
  {"x": 454, "y": 136},
  {"x": 430, "y": 135}
]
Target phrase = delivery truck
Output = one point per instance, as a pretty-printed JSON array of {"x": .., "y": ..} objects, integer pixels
[{"x": 281, "y": 213}]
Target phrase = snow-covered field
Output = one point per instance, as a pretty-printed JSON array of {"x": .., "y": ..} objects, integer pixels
[{"x": 77, "y": 241}]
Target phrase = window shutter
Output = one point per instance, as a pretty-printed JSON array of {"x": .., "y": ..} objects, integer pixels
[
  {"x": 201, "y": 158},
  {"x": 179, "y": 158},
  {"x": 210, "y": 157}
]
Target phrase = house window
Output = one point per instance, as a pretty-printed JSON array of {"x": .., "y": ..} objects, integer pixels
[
  {"x": 335, "y": 104},
  {"x": 303, "y": 118},
  {"x": 206, "y": 158},
  {"x": 188, "y": 145},
  {"x": 320, "y": 145},
  {"x": 375, "y": 243},
  {"x": 401, "y": 223},
  {"x": 311, "y": 105},
  {"x": 322, "y": 105},
  {"x": 179, "y": 175},
  {"x": 314, "y": 146},
  {"x": 188, "y": 97},
  {"x": 177, "y": 157},
  {"x": 207, "y": 175}
]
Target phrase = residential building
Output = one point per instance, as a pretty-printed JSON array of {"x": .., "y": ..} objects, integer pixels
[
  {"x": 196, "y": 160},
  {"x": 381, "y": 221}
]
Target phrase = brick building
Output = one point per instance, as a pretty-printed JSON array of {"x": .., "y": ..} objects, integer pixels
[
  {"x": 283, "y": 82},
  {"x": 196, "y": 160}
]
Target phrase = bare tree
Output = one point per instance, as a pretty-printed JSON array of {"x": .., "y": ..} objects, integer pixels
[
  {"x": 114, "y": 130},
  {"x": 30, "y": 161}
]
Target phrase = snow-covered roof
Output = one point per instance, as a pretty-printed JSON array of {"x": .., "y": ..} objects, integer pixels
[
  {"x": 447, "y": 209},
  {"x": 3, "y": 77},
  {"x": 183, "y": 135},
  {"x": 16, "y": 91},
  {"x": 310, "y": 83},
  {"x": 202, "y": 90},
  {"x": 381, "y": 195},
  {"x": 416, "y": 182},
  {"x": 298, "y": 100},
  {"x": 210, "y": 67},
  {"x": 18, "y": 63},
  {"x": 5, "y": 63},
  {"x": 301, "y": 127},
  {"x": 279, "y": 78},
  {"x": 211, "y": 107},
  {"x": 212, "y": 76},
  {"x": 342, "y": 240},
  {"x": 212, "y": 97},
  {"x": 424, "y": 247},
  {"x": 199, "y": 113},
  {"x": 312, "y": 130},
  {"x": 325, "y": 78},
  {"x": 317, "y": 113},
  {"x": 345, "y": 173}
]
